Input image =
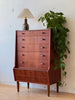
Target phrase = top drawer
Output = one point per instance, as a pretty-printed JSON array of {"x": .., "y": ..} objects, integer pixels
[{"x": 33, "y": 33}]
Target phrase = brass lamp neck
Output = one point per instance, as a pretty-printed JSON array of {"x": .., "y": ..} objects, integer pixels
[{"x": 26, "y": 26}]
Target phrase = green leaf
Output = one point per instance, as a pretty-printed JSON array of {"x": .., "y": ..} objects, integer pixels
[
  {"x": 43, "y": 24},
  {"x": 66, "y": 29},
  {"x": 62, "y": 66},
  {"x": 60, "y": 13},
  {"x": 61, "y": 54},
  {"x": 56, "y": 21},
  {"x": 68, "y": 42},
  {"x": 68, "y": 51},
  {"x": 65, "y": 73},
  {"x": 55, "y": 61},
  {"x": 52, "y": 12},
  {"x": 61, "y": 59},
  {"x": 60, "y": 83},
  {"x": 47, "y": 15},
  {"x": 55, "y": 30},
  {"x": 55, "y": 68},
  {"x": 41, "y": 19},
  {"x": 65, "y": 56}
]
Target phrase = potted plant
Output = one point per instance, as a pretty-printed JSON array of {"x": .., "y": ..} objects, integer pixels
[{"x": 56, "y": 22}]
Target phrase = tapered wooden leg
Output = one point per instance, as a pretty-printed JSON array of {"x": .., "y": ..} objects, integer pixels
[
  {"x": 57, "y": 87},
  {"x": 17, "y": 86},
  {"x": 28, "y": 85},
  {"x": 48, "y": 90}
]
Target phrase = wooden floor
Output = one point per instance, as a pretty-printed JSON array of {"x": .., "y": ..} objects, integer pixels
[{"x": 10, "y": 93}]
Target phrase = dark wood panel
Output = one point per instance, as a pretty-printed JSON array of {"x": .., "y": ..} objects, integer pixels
[{"x": 31, "y": 76}]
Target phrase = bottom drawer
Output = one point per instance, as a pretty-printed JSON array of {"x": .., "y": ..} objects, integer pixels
[{"x": 40, "y": 77}]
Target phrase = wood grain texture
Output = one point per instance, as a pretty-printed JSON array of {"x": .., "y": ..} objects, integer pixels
[
  {"x": 17, "y": 86},
  {"x": 34, "y": 55}
]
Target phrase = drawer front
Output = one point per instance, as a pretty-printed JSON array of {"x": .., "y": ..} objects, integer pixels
[
  {"x": 25, "y": 33},
  {"x": 33, "y": 40},
  {"x": 30, "y": 73},
  {"x": 32, "y": 55},
  {"x": 27, "y": 40},
  {"x": 33, "y": 33},
  {"x": 43, "y": 39},
  {"x": 31, "y": 76},
  {"x": 40, "y": 47},
  {"x": 32, "y": 79},
  {"x": 43, "y": 33},
  {"x": 32, "y": 63}
]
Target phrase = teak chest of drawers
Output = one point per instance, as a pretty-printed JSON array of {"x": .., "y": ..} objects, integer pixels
[{"x": 34, "y": 55}]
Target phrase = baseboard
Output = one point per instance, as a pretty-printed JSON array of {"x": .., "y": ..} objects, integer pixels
[{"x": 38, "y": 86}]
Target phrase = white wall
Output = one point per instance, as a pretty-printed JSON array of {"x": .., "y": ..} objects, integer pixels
[{"x": 9, "y": 10}]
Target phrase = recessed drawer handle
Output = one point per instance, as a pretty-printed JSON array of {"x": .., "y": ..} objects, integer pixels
[
  {"x": 42, "y": 55},
  {"x": 23, "y": 55},
  {"x": 43, "y": 39},
  {"x": 42, "y": 63},
  {"x": 42, "y": 47},
  {"x": 23, "y": 33},
  {"x": 22, "y": 62},
  {"x": 43, "y": 32},
  {"x": 23, "y": 39},
  {"x": 22, "y": 47}
]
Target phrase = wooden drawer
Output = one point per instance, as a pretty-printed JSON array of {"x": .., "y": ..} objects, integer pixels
[
  {"x": 31, "y": 48},
  {"x": 33, "y": 33},
  {"x": 29, "y": 73},
  {"x": 43, "y": 39},
  {"x": 33, "y": 40},
  {"x": 29, "y": 55},
  {"x": 43, "y": 33},
  {"x": 25, "y": 33},
  {"x": 31, "y": 76},
  {"x": 32, "y": 63},
  {"x": 27, "y": 40}
]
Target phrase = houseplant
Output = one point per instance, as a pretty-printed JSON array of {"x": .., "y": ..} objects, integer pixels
[{"x": 56, "y": 21}]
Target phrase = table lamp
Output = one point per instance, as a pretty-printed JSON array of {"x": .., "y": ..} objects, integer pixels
[{"x": 25, "y": 14}]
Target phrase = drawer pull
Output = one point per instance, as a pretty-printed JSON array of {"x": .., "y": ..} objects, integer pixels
[
  {"x": 23, "y": 39},
  {"x": 22, "y": 47},
  {"x": 43, "y": 39},
  {"x": 43, "y": 32},
  {"x": 22, "y": 62},
  {"x": 42, "y": 47},
  {"x": 22, "y": 54},
  {"x": 42, "y": 55},
  {"x": 23, "y": 33},
  {"x": 42, "y": 63}
]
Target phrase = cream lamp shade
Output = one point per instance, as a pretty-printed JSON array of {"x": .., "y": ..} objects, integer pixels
[{"x": 25, "y": 14}]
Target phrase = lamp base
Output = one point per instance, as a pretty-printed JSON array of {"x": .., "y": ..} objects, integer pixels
[{"x": 25, "y": 27}]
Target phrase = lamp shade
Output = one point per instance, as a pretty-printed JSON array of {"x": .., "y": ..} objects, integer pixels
[{"x": 25, "y": 14}]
